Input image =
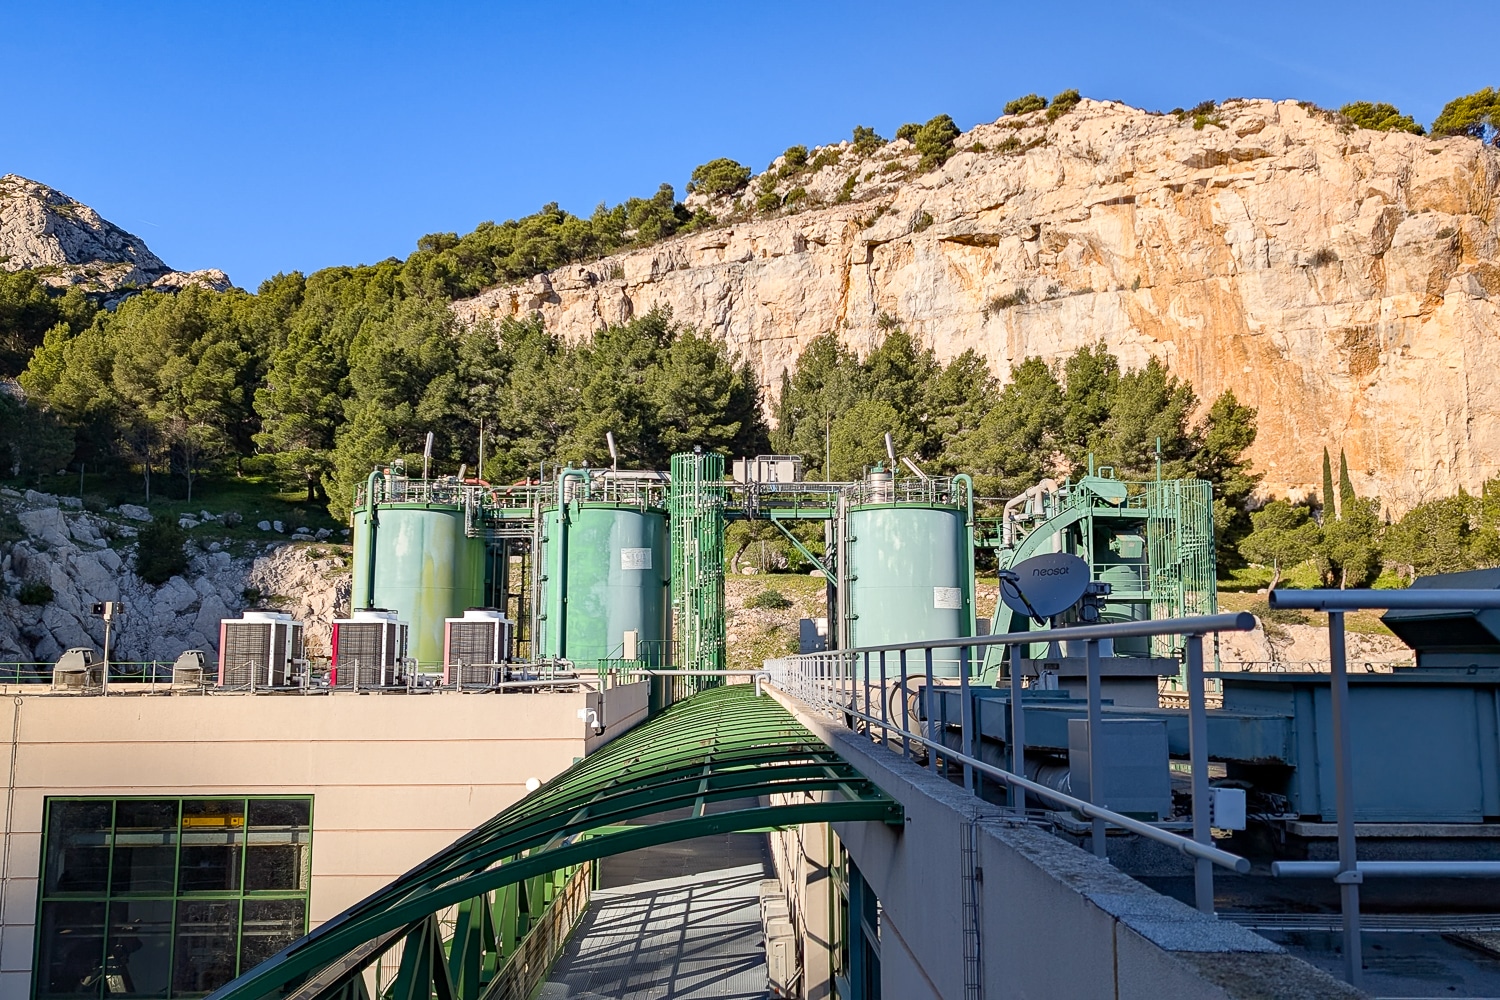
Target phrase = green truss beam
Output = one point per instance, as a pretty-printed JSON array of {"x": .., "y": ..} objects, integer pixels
[{"x": 722, "y": 745}]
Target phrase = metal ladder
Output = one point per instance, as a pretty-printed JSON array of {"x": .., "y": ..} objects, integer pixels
[{"x": 970, "y": 878}]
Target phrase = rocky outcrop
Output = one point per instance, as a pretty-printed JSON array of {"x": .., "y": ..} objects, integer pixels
[
  {"x": 67, "y": 558},
  {"x": 1345, "y": 282},
  {"x": 67, "y": 243}
]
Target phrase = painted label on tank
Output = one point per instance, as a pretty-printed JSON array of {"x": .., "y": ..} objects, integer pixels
[
  {"x": 947, "y": 598},
  {"x": 635, "y": 558}
]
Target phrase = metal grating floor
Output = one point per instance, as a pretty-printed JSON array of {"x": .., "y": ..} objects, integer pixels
[
  {"x": 686, "y": 938},
  {"x": 677, "y": 921}
]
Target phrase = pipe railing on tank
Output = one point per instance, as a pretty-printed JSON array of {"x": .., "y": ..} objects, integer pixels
[
  {"x": 941, "y": 490},
  {"x": 840, "y": 683},
  {"x": 1349, "y": 872}
]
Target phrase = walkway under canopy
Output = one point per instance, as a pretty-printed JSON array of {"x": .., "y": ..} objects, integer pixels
[{"x": 721, "y": 745}]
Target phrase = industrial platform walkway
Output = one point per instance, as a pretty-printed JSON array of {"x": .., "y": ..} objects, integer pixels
[{"x": 673, "y": 922}]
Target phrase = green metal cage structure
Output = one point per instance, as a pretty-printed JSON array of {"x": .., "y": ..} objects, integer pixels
[
  {"x": 725, "y": 746},
  {"x": 696, "y": 506}
]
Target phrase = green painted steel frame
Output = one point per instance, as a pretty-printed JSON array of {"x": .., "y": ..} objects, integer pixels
[
  {"x": 697, "y": 507},
  {"x": 723, "y": 744}
]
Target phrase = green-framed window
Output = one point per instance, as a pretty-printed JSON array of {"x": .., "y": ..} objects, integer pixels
[
  {"x": 855, "y": 945},
  {"x": 167, "y": 897}
]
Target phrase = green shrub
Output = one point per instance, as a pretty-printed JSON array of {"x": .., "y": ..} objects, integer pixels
[
  {"x": 1279, "y": 616},
  {"x": 1009, "y": 301},
  {"x": 935, "y": 141},
  {"x": 979, "y": 147},
  {"x": 866, "y": 141},
  {"x": 34, "y": 594},
  {"x": 1025, "y": 105},
  {"x": 908, "y": 131},
  {"x": 769, "y": 599},
  {"x": 847, "y": 191},
  {"x": 828, "y": 157},
  {"x": 722, "y": 176},
  {"x": 923, "y": 221},
  {"x": 1380, "y": 117},
  {"x": 793, "y": 160},
  {"x": 10, "y": 527},
  {"x": 161, "y": 554},
  {"x": 1009, "y": 145},
  {"x": 795, "y": 196},
  {"x": 767, "y": 201},
  {"x": 1062, "y": 104},
  {"x": 1200, "y": 121}
]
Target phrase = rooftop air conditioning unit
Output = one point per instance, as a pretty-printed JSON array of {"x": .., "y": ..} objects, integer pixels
[
  {"x": 259, "y": 650},
  {"x": 475, "y": 645},
  {"x": 369, "y": 650}
]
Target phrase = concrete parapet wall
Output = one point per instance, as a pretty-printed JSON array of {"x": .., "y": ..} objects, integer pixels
[{"x": 1054, "y": 920}]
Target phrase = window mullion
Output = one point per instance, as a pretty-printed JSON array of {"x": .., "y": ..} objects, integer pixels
[{"x": 176, "y": 902}]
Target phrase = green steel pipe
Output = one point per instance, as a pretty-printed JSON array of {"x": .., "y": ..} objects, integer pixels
[
  {"x": 374, "y": 521},
  {"x": 562, "y": 553},
  {"x": 968, "y": 482}
]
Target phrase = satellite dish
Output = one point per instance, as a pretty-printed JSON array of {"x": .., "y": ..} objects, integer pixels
[{"x": 1044, "y": 585}]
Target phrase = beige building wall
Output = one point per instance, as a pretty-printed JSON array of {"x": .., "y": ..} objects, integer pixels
[{"x": 394, "y": 778}]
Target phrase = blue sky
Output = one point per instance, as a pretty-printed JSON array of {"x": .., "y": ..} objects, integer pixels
[{"x": 270, "y": 137}]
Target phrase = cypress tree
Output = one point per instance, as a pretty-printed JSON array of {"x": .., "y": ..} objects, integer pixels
[
  {"x": 1329, "y": 511},
  {"x": 1346, "y": 486}
]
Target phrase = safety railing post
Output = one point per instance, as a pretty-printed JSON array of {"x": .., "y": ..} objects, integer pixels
[
  {"x": 906, "y": 750},
  {"x": 1203, "y": 870},
  {"x": 1348, "y": 878},
  {"x": 965, "y": 717},
  {"x": 864, "y": 686},
  {"x": 1101, "y": 848},
  {"x": 932, "y": 716},
  {"x": 885, "y": 731},
  {"x": 1017, "y": 730}
]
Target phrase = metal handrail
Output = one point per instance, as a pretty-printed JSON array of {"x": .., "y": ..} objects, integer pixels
[
  {"x": 1239, "y": 621},
  {"x": 1186, "y": 846},
  {"x": 1389, "y": 869},
  {"x": 1348, "y": 872},
  {"x": 827, "y": 682},
  {"x": 1415, "y": 599}
]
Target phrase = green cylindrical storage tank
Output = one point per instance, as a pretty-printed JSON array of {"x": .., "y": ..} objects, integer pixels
[
  {"x": 909, "y": 581},
  {"x": 607, "y": 571},
  {"x": 426, "y": 569}
]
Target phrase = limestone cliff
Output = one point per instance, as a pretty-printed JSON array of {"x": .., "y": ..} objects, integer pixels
[
  {"x": 1345, "y": 282},
  {"x": 67, "y": 243},
  {"x": 74, "y": 557}
]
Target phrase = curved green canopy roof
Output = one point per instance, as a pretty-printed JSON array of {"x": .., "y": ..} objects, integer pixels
[{"x": 723, "y": 745}]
